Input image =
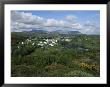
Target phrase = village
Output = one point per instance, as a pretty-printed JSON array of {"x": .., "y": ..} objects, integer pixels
[{"x": 42, "y": 43}]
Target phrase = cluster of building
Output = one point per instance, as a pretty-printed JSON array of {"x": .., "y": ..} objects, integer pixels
[
  {"x": 50, "y": 42},
  {"x": 44, "y": 42}
]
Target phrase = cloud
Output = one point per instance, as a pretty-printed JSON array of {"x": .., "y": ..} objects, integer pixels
[
  {"x": 25, "y": 21},
  {"x": 54, "y": 23},
  {"x": 90, "y": 28},
  {"x": 51, "y": 23},
  {"x": 70, "y": 18},
  {"x": 91, "y": 25},
  {"x": 76, "y": 26},
  {"x": 21, "y": 21},
  {"x": 26, "y": 18}
]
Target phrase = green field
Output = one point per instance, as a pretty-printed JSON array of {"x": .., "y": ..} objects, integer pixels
[{"x": 54, "y": 55}]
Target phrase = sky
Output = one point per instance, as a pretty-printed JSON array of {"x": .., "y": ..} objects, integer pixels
[{"x": 84, "y": 21}]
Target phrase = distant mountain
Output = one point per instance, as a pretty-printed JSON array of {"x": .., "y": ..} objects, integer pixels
[
  {"x": 59, "y": 32},
  {"x": 38, "y": 31},
  {"x": 66, "y": 32},
  {"x": 56, "y": 32},
  {"x": 74, "y": 32}
]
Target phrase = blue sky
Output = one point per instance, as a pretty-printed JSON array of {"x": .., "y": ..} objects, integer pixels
[
  {"x": 82, "y": 15},
  {"x": 85, "y": 21}
]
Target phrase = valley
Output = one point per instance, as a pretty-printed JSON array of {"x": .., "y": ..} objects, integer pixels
[{"x": 54, "y": 54}]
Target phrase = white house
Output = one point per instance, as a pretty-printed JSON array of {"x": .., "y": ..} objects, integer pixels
[
  {"x": 68, "y": 40},
  {"x": 45, "y": 42},
  {"x": 22, "y": 43},
  {"x": 40, "y": 44},
  {"x": 33, "y": 43},
  {"x": 51, "y": 44},
  {"x": 17, "y": 46}
]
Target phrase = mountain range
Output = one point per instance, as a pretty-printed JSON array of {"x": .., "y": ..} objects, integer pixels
[{"x": 56, "y": 32}]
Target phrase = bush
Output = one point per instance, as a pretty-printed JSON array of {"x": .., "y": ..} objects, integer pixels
[{"x": 78, "y": 73}]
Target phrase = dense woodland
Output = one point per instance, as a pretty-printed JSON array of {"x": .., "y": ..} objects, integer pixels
[{"x": 54, "y": 55}]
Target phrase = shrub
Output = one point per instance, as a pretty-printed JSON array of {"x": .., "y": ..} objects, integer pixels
[{"x": 78, "y": 73}]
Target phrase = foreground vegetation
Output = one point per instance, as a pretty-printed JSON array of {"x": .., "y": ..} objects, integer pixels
[{"x": 54, "y": 55}]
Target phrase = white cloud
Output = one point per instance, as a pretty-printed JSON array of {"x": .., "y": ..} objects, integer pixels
[
  {"x": 25, "y": 21},
  {"x": 21, "y": 21},
  {"x": 54, "y": 23},
  {"x": 26, "y": 18},
  {"x": 51, "y": 23},
  {"x": 90, "y": 28},
  {"x": 73, "y": 26},
  {"x": 76, "y": 26},
  {"x": 70, "y": 17}
]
